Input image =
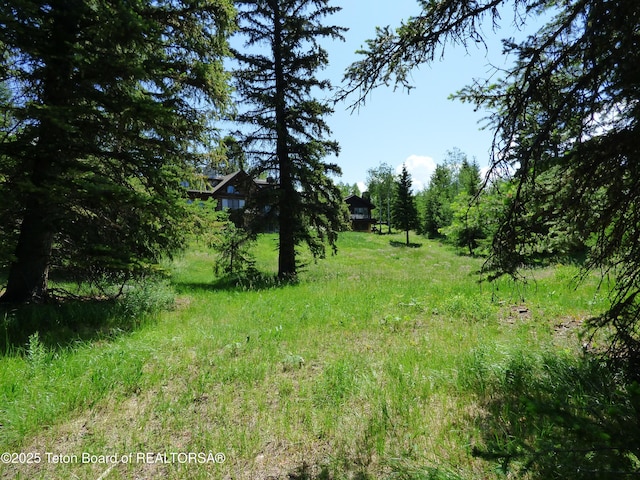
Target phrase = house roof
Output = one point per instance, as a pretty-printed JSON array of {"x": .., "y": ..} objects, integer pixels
[
  {"x": 218, "y": 183},
  {"x": 356, "y": 201},
  {"x": 226, "y": 180}
]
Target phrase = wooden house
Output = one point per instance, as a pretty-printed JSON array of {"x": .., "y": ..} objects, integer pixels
[
  {"x": 360, "y": 213},
  {"x": 232, "y": 193}
]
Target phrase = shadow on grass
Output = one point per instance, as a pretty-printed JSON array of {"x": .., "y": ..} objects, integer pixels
[
  {"x": 67, "y": 322},
  {"x": 234, "y": 283},
  {"x": 554, "y": 417},
  {"x": 395, "y": 243},
  {"x": 58, "y": 325},
  {"x": 306, "y": 472},
  {"x": 400, "y": 470}
]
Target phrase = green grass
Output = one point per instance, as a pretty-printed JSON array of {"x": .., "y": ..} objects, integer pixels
[{"x": 382, "y": 362}]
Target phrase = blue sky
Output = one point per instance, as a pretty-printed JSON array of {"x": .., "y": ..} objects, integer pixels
[{"x": 417, "y": 128}]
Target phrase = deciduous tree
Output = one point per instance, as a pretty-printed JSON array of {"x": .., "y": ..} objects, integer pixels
[
  {"x": 381, "y": 185},
  {"x": 438, "y": 198}
]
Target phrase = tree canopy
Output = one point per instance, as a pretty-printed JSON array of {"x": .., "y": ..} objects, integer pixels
[
  {"x": 565, "y": 119},
  {"x": 111, "y": 101}
]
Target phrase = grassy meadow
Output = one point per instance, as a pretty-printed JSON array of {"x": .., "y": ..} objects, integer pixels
[{"x": 383, "y": 362}]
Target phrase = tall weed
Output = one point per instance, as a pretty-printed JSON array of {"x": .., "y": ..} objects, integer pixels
[
  {"x": 37, "y": 354},
  {"x": 144, "y": 297}
]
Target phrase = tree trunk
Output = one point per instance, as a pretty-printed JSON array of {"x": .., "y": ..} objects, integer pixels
[
  {"x": 287, "y": 250},
  {"x": 29, "y": 273},
  {"x": 287, "y": 218},
  {"x": 380, "y": 214},
  {"x": 287, "y": 211},
  {"x": 388, "y": 212},
  {"x": 407, "y": 238}
]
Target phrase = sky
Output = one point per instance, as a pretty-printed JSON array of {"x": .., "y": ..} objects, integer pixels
[{"x": 419, "y": 128}]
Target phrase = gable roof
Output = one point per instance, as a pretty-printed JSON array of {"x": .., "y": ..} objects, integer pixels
[
  {"x": 229, "y": 180},
  {"x": 217, "y": 184},
  {"x": 356, "y": 201}
]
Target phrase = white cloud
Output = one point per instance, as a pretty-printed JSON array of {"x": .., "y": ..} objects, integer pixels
[
  {"x": 421, "y": 168},
  {"x": 484, "y": 171},
  {"x": 362, "y": 186}
]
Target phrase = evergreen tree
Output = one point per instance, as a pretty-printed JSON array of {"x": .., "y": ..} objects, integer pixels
[
  {"x": 404, "y": 214},
  {"x": 469, "y": 180},
  {"x": 228, "y": 157},
  {"x": 455, "y": 177},
  {"x": 9, "y": 206},
  {"x": 284, "y": 128},
  {"x": 112, "y": 99}
]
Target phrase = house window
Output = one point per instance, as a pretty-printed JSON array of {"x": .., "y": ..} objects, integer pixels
[
  {"x": 232, "y": 203},
  {"x": 231, "y": 189},
  {"x": 360, "y": 213}
]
